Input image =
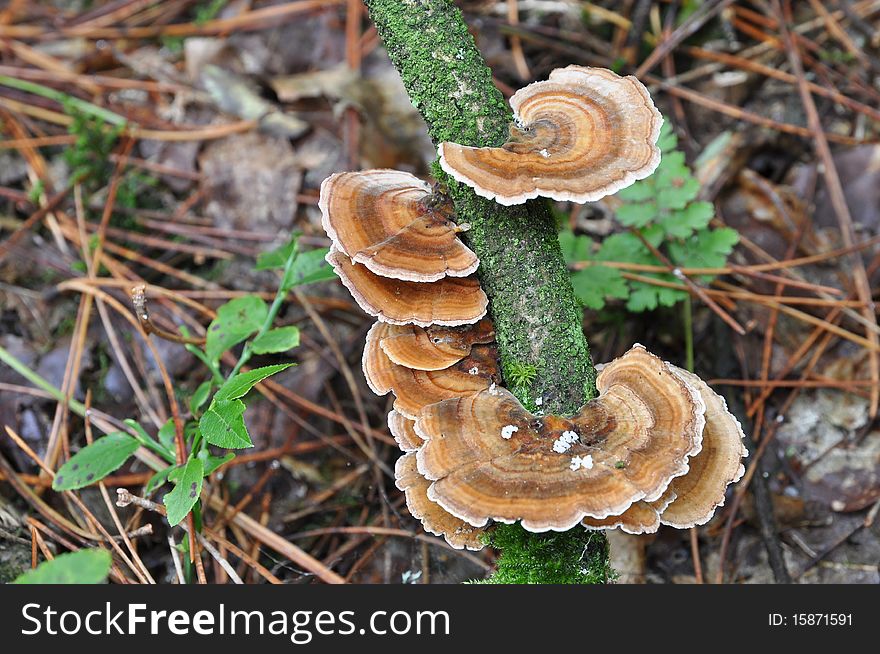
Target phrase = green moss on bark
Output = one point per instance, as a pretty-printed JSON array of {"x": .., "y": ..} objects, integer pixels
[{"x": 537, "y": 319}]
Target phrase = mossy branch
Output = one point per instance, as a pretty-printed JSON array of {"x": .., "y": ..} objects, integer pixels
[{"x": 537, "y": 318}]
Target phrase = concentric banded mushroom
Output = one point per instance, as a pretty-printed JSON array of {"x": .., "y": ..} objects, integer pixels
[
  {"x": 691, "y": 499},
  {"x": 432, "y": 348},
  {"x": 640, "y": 518},
  {"x": 403, "y": 431},
  {"x": 389, "y": 221},
  {"x": 450, "y": 301},
  {"x": 416, "y": 389},
  {"x": 489, "y": 458},
  {"x": 435, "y": 520},
  {"x": 718, "y": 464},
  {"x": 581, "y": 135}
]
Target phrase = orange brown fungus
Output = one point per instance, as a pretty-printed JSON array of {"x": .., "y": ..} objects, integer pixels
[
  {"x": 691, "y": 499},
  {"x": 403, "y": 431},
  {"x": 490, "y": 459},
  {"x": 390, "y": 222},
  {"x": 718, "y": 464},
  {"x": 416, "y": 389},
  {"x": 581, "y": 135},
  {"x": 450, "y": 301},
  {"x": 433, "y": 348},
  {"x": 434, "y": 519}
]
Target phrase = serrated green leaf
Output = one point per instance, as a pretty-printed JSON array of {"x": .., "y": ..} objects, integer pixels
[
  {"x": 574, "y": 247},
  {"x": 637, "y": 215},
  {"x": 624, "y": 247},
  {"x": 199, "y": 397},
  {"x": 678, "y": 194},
  {"x": 223, "y": 425},
  {"x": 643, "y": 298},
  {"x": 683, "y": 223},
  {"x": 638, "y": 192},
  {"x": 82, "y": 567},
  {"x": 236, "y": 320},
  {"x": 95, "y": 461},
  {"x": 239, "y": 385},
  {"x": 707, "y": 248},
  {"x": 275, "y": 340},
  {"x": 187, "y": 487},
  {"x": 595, "y": 283},
  {"x": 668, "y": 140}
]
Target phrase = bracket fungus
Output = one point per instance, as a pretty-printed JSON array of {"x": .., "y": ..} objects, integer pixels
[
  {"x": 631, "y": 441},
  {"x": 404, "y": 432},
  {"x": 416, "y": 389},
  {"x": 434, "y": 519},
  {"x": 580, "y": 135},
  {"x": 390, "y": 222},
  {"x": 432, "y": 348},
  {"x": 450, "y": 301}
]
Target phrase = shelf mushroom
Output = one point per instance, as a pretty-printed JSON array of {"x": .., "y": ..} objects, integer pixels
[
  {"x": 404, "y": 432},
  {"x": 389, "y": 221},
  {"x": 450, "y": 301},
  {"x": 490, "y": 459},
  {"x": 691, "y": 499},
  {"x": 416, "y": 389},
  {"x": 434, "y": 519},
  {"x": 432, "y": 348},
  {"x": 581, "y": 135}
]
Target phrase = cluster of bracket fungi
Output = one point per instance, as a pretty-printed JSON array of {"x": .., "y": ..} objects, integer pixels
[{"x": 656, "y": 446}]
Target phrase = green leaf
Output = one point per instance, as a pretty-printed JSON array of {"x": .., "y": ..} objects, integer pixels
[
  {"x": 643, "y": 298},
  {"x": 166, "y": 435},
  {"x": 82, "y": 567},
  {"x": 637, "y": 215},
  {"x": 235, "y": 321},
  {"x": 668, "y": 140},
  {"x": 187, "y": 488},
  {"x": 212, "y": 462},
  {"x": 158, "y": 479},
  {"x": 638, "y": 192},
  {"x": 223, "y": 425},
  {"x": 683, "y": 223},
  {"x": 707, "y": 248},
  {"x": 94, "y": 462},
  {"x": 595, "y": 283},
  {"x": 239, "y": 385},
  {"x": 280, "y": 339},
  {"x": 278, "y": 257},
  {"x": 678, "y": 193},
  {"x": 624, "y": 247},
  {"x": 200, "y": 396},
  {"x": 574, "y": 248},
  {"x": 308, "y": 268}
]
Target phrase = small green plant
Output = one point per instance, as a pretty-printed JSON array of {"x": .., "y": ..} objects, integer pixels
[
  {"x": 217, "y": 406},
  {"x": 661, "y": 209},
  {"x": 89, "y": 155},
  {"x": 81, "y": 567}
]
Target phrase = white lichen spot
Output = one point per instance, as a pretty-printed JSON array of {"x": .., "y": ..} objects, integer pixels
[
  {"x": 564, "y": 442},
  {"x": 508, "y": 430},
  {"x": 493, "y": 389},
  {"x": 543, "y": 152},
  {"x": 539, "y": 401},
  {"x": 581, "y": 463},
  {"x": 474, "y": 371}
]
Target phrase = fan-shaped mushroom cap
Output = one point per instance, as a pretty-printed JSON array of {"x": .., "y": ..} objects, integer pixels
[
  {"x": 718, "y": 464},
  {"x": 435, "y": 520},
  {"x": 432, "y": 348},
  {"x": 403, "y": 430},
  {"x": 489, "y": 458},
  {"x": 581, "y": 135},
  {"x": 416, "y": 389},
  {"x": 450, "y": 301},
  {"x": 387, "y": 220},
  {"x": 640, "y": 518}
]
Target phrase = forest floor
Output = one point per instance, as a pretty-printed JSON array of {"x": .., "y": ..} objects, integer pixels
[{"x": 172, "y": 143}]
